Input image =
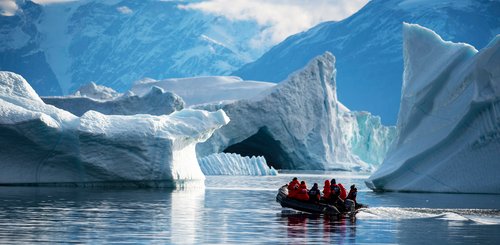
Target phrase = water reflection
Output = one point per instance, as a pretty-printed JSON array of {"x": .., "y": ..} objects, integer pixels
[
  {"x": 325, "y": 229},
  {"x": 187, "y": 214},
  {"x": 232, "y": 210},
  {"x": 51, "y": 215}
]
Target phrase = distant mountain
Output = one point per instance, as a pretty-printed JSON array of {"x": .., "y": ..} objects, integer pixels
[
  {"x": 60, "y": 46},
  {"x": 368, "y": 47}
]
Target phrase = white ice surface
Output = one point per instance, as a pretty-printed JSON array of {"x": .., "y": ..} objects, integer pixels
[
  {"x": 41, "y": 144},
  {"x": 448, "y": 132},
  {"x": 202, "y": 90},
  {"x": 105, "y": 100},
  {"x": 235, "y": 164}
]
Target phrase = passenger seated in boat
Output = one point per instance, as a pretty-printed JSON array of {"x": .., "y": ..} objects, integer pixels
[
  {"x": 353, "y": 192},
  {"x": 326, "y": 190},
  {"x": 302, "y": 193},
  {"x": 293, "y": 187},
  {"x": 343, "y": 191},
  {"x": 314, "y": 193},
  {"x": 335, "y": 196}
]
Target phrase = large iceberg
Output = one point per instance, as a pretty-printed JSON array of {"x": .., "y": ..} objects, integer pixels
[
  {"x": 105, "y": 100},
  {"x": 448, "y": 132},
  {"x": 299, "y": 124},
  {"x": 235, "y": 164},
  {"x": 41, "y": 144}
]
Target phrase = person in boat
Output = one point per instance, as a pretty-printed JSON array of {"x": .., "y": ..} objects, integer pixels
[
  {"x": 302, "y": 193},
  {"x": 335, "y": 196},
  {"x": 326, "y": 190},
  {"x": 353, "y": 192},
  {"x": 314, "y": 193},
  {"x": 334, "y": 189},
  {"x": 343, "y": 191},
  {"x": 293, "y": 187}
]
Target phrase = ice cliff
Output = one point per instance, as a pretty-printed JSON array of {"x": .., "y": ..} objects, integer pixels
[
  {"x": 41, "y": 144},
  {"x": 105, "y": 100},
  {"x": 234, "y": 164},
  {"x": 299, "y": 124},
  {"x": 448, "y": 131}
]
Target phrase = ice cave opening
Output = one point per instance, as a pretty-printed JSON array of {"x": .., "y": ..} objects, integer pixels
[{"x": 262, "y": 144}]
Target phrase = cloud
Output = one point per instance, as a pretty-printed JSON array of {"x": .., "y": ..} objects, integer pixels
[
  {"x": 124, "y": 10},
  {"x": 281, "y": 17},
  {"x": 8, "y": 7}
]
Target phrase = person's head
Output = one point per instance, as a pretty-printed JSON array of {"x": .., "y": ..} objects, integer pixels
[
  {"x": 353, "y": 187},
  {"x": 315, "y": 185},
  {"x": 327, "y": 182},
  {"x": 333, "y": 182},
  {"x": 302, "y": 182},
  {"x": 294, "y": 178}
]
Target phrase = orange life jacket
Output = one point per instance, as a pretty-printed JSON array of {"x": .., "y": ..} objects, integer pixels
[
  {"x": 302, "y": 193},
  {"x": 293, "y": 188},
  {"x": 326, "y": 189},
  {"x": 343, "y": 192}
]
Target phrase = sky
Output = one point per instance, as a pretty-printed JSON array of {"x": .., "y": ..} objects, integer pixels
[{"x": 279, "y": 18}]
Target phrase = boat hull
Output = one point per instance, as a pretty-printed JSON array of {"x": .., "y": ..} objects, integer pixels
[{"x": 309, "y": 207}]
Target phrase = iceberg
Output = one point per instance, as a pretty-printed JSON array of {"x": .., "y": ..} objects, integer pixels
[
  {"x": 43, "y": 145},
  {"x": 299, "y": 124},
  {"x": 235, "y": 164},
  {"x": 105, "y": 100},
  {"x": 98, "y": 92},
  {"x": 448, "y": 131},
  {"x": 205, "y": 90}
]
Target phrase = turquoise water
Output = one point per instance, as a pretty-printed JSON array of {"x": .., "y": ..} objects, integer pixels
[{"x": 240, "y": 210}]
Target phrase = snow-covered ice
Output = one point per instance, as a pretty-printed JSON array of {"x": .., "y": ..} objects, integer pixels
[
  {"x": 202, "y": 90},
  {"x": 41, "y": 144},
  {"x": 98, "y": 92},
  {"x": 448, "y": 132},
  {"x": 107, "y": 101},
  {"x": 234, "y": 164}
]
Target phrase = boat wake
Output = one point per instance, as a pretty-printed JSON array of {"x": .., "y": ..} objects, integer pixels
[{"x": 477, "y": 216}]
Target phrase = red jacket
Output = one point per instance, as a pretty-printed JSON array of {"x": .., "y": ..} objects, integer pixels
[
  {"x": 343, "y": 192},
  {"x": 302, "y": 193},
  {"x": 293, "y": 188},
  {"x": 326, "y": 189}
]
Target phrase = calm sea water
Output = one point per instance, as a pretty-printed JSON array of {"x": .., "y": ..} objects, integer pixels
[{"x": 240, "y": 210}]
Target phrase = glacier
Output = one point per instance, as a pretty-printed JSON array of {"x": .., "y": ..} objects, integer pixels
[
  {"x": 43, "y": 145},
  {"x": 448, "y": 131},
  {"x": 235, "y": 164},
  {"x": 297, "y": 124},
  {"x": 107, "y": 101}
]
